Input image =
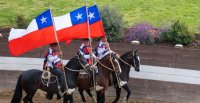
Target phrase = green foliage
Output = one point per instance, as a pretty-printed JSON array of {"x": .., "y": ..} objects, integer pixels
[
  {"x": 156, "y": 12},
  {"x": 178, "y": 33},
  {"x": 112, "y": 23},
  {"x": 21, "y": 22}
]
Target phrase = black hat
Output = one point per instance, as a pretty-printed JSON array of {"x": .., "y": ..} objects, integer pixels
[
  {"x": 54, "y": 44},
  {"x": 85, "y": 39}
]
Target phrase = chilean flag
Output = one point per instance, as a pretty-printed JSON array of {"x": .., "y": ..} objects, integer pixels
[
  {"x": 95, "y": 24},
  {"x": 72, "y": 25},
  {"x": 39, "y": 32},
  {"x": 96, "y": 27}
]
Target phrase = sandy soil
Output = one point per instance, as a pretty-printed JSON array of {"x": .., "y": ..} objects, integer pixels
[{"x": 6, "y": 95}]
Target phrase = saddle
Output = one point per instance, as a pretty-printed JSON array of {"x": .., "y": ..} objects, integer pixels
[{"x": 83, "y": 74}]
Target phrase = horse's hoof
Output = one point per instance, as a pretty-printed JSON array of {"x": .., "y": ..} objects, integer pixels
[
  {"x": 124, "y": 100},
  {"x": 84, "y": 101},
  {"x": 58, "y": 97}
]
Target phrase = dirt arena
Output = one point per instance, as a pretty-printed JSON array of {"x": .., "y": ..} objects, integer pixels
[{"x": 6, "y": 96}]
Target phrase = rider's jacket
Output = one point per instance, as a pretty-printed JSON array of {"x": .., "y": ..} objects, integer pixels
[
  {"x": 102, "y": 50},
  {"x": 52, "y": 59},
  {"x": 84, "y": 51}
]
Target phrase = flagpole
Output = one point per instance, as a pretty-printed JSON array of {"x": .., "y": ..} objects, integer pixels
[
  {"x": 89, "y": 36},
  {"x": 95, "y": 2},
  {"x": 56, "y": 36}
]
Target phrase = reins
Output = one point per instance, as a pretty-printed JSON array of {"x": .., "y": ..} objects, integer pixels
[
  {"x": 125, "y": 62},
  {"x": 83, "y": 66},
  {"x": 74, "y": 70},
  {"x": 105, "y": 66}
]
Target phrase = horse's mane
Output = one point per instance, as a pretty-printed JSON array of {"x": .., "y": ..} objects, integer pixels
[
  {"x": 124, "y": 55},
  {"x": 74, "y": 59}
]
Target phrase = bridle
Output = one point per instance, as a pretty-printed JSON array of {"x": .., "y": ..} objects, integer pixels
[
  {"x": 83, "y": 66},
  {"x": 134, "y": 65}
]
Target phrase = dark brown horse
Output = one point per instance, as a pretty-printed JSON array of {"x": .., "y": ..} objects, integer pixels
[
  {"x": 30, "y": 81},
  {"x": 106, "y": 66},
  {"x": 127, "y": 60}
]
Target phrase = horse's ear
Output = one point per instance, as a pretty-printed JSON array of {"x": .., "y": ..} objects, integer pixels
[
  {"x": 79, "y": 55},
  {"x": 136, "y": 51}
]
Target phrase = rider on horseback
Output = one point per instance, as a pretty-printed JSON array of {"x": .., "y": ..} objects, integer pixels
[
  {"x": 54, "y": 63},
  {"x": 103, "y": 49},
  {"x": 86, "y": 52}
]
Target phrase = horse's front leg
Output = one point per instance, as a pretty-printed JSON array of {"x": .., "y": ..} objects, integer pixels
[
  {"x": 58, "y": 96},
  {"x": 71, "y": 99},
  {"x": 103, "y": 93},
  {"x": 118, "y": 92},
  {"x": 81, "y": 93},
  {"x": 68, "y": 98},
  {"x": 99, "y": 97},
  {"x": 128, "y": 91}
]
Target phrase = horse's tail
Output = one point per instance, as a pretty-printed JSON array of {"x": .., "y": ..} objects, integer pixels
[{"x": 18, "y": 91}]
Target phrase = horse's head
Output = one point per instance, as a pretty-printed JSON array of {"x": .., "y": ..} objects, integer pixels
[
  {"x": 77, "y": 63},
  {"x": 135, "y": 60}
]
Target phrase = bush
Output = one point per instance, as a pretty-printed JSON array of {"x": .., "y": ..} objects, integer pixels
[
  {"x": 144, "y": 32},
  {"x": 178, "y": 33},
  {"x": 112, "y": 23},
  {"x": 22, "y": 22}
]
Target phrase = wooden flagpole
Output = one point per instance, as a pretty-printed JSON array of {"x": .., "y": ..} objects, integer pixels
[
  {"x": 56, "y": 36},
  {"x": 89, "y": 36}
]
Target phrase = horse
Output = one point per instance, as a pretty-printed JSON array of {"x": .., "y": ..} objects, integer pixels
[
  {"x": 106, "y": 66},
  {"x": 126, "y": 61},
  {"x": 31, "y": 80}
]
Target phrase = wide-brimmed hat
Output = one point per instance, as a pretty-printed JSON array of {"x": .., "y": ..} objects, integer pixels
[
  {"x": 54, "y": 44},
  {"x": 85, "y": 39}
]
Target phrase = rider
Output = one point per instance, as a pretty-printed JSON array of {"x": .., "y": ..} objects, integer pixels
[
  {"x": 86, "y": 52},
  {"x": 103, "y": 49},
  {"x": 54, "y": 63}
]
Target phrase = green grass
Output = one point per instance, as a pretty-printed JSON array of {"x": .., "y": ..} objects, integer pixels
[{"x": 157, "y": 12}]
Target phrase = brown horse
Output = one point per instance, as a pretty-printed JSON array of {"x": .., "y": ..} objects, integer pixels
[
  {"x": 106, "y": 66},
  {"x": 127, "y": 60}
]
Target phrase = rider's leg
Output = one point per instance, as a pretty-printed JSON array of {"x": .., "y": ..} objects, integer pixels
[
  {"x": 119, "y": 81},
  {"x": 60, "y": 74}
]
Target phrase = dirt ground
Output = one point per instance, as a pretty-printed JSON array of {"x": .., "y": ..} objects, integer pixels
[{"x": 6, "y": 96}]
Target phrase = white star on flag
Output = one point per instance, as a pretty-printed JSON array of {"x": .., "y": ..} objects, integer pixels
[
  {"x": 79, "y": 16},
  {"x": 91, "y": 15},
  {"x": 43, "y": 19}
]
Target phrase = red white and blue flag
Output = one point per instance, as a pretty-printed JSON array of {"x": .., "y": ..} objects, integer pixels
[
  {"x": 72, "y": 25},
  {"x": 96, "y": 27},
  {"x": 95, "y": 24},
  {"x": 39, "y": 32}
]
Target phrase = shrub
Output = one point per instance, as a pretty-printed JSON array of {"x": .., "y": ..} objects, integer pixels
[
  {"x": 21, "y": 22},
  {"x": 112, "y": 23},
  {"x": 178, "y": 33},
  {"x": 144, "y": 32}
]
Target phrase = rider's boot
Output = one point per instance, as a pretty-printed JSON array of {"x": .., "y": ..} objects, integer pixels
[{"x": 122, "y": 83}]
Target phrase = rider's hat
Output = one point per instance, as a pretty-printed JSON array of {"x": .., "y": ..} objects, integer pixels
[
  {"x": 103, "y": 36},
  {"x": 85, "y": 39},
  {"x": 54, "y": 44}
]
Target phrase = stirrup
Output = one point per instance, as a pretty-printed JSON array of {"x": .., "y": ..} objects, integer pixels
[
  {"x": 122, "y": 83},
  {"x": 69, "y": 91},
  {"x": 98, "y": 88}
]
